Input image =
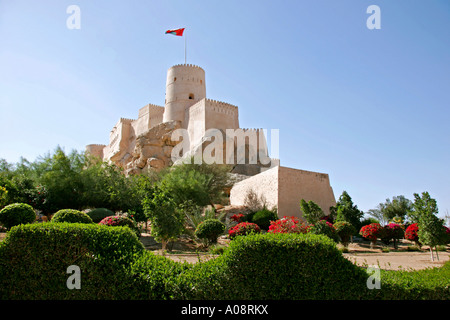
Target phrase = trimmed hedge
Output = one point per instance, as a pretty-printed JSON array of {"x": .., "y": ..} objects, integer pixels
[
  {"x": 15, "y": 214},
  {"x": 275, "y": 266},
  {"x": 34, "y": 259},
  {"x": 72, "y": 216}
]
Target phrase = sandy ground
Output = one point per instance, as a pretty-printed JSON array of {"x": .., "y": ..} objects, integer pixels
[{"x": 398, "y": 260}]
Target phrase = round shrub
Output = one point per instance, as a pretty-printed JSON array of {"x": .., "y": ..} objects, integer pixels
[
  {"x": 98, "y": 214},
  {"x": 120, "y": 221},
  {"x": 344, "y": 230},
  {"x": 263, "y": 218},
  {"x": 40, "y": 253},
  {"x": 15, "y": 214},
  {"x": 209, "y": 230},
  {"x": 72, "y": 216},
  {"x": 325, "y": 228},
  {"x": 243, "y": 229}
]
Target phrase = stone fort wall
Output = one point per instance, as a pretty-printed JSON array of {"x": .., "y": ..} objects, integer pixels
[{"x": 284, "y": 187}]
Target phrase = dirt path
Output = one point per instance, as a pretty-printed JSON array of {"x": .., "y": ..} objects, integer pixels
[{"x": 398, "y": 260}]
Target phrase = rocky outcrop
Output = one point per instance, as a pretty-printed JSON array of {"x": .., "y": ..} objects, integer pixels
[{"x": 153, "y": 149}]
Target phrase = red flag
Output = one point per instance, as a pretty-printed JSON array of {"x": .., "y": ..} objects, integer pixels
[{"x": 176, "y": 32}]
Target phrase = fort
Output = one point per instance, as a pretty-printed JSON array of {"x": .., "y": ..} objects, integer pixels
[{"x": 150, "y": 143}]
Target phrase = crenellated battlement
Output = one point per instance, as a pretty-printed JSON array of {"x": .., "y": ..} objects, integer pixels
[
  {"x": 126, "y": 120},
  {"x": 151, "y": 108},
  {"x": 220, "y": 106},
  {"x": 186, "y": 65}
]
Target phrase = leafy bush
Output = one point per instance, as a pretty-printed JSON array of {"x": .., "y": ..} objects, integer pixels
[
  {"x": 98, "y": 214},
  {"x": 325, "y": 228},
  {"x": 209, "y": 230},
  {"x": 344, "y": 230},
  {"x": 15, "y": 214},
  {"x": 120, "y": 221},
  {"x": 247, "y": 217},
  {"x": 263, "y": 218},
  {"x": 275, "y": 266},
  {"x": 34, "y": 259},
  {"x": 72, "y": 216},
  {"x": 243, "y": 229}
]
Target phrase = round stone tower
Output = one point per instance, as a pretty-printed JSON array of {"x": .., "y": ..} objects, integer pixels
[{"x": 185, "y": 86}]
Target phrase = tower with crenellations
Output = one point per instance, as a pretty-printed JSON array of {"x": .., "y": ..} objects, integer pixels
[
  {"x": 185, "y": 104},
  {"x": 185, "y": 86}
]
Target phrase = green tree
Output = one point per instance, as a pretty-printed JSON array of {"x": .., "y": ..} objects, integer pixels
[
  {"x": 167, "y": 220},
  {"x": 345, "y": 210},
  {"x": 399, "y": 206},
  {"x": 203, "y": 184},
  {"x": 60, "y": 174},
  {"x": 311, "y": 211},
  {"x": 107, "y": 187},
  {"x": 431, "y": 228},
  {"x": 423, "y": 204}
]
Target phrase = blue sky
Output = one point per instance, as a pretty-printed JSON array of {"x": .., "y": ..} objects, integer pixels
[{"x": 368, "y": 107}]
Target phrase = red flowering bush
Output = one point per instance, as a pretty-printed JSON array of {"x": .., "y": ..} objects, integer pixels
[
  {"x": 392, "y": 231},
  {"x": 243, "y": 228},
  {"x": 447, "y": 234},
  {"x": 237, "y": 217},
  {"x": 411, "y": 233},
  {"x": 371, "y": 231},
  {"x": 117, "y": 221},
  {"x": 287, "y": 225}
]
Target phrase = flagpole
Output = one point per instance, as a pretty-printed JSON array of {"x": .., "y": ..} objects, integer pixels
[{"x": 185, "y": 40}]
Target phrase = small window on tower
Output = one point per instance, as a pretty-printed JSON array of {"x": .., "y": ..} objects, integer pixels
[
  {"x": 191, "y": 96},
  {"x": 174, "y": 79},
  {"x": 201, "y": 81}
]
